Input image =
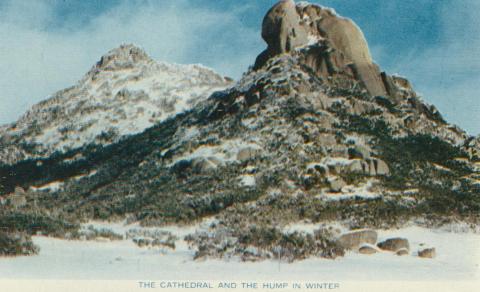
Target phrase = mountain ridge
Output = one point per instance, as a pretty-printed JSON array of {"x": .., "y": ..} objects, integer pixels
[{"x": 124, "y": 93}]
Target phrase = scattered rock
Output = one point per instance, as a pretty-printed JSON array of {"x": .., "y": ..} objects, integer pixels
[
  {"x": 428, "y": 253},
  {"x": 358, "y": 151},
  {"x": 246, "y": 154},
  {"x": 394, "y": 244},
  {"x": 318, "y": 168},
  {"x": 367, "y": 249},
  {"x": 205, "y": 164},
  {"x": 402, "y": 252},
  {"x": 337, "y": 184},
  {"x": 354, "y": 239}
]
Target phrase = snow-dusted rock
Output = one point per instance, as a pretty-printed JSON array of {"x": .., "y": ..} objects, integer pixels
[
  {"x": 247, "y": 153},
  {"x": 367, "y": 249},
  {"x": 336, "y": 43},
  {"x": 354, "y": 239},
  {"x": 402, "y": 252},
  {"x": 394, "y": 244},
  {"x": 429, "y": 253},
  {"x": 336, "y": 184},
  {"x": 358, "y": 151}
]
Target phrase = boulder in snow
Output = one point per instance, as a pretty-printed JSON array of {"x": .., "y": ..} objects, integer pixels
[
  {"x": 367, "y": 249},
  {"x": 394, "y": 244},
  {"x": 428, "y": 253},
  {"x": 354, "y": 239},
  {"x": 402, "y": 252}
]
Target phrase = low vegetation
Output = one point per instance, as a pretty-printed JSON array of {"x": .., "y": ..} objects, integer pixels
[
  {"x": 256, "y": 243},
  {"x": 14, "y": 244}
]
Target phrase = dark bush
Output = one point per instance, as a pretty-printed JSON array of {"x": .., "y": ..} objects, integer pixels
[{"x": 14, "y": 244}]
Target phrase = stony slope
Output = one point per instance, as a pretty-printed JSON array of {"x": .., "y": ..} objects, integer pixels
[
  {"x": 286, "y": 144},
  {"x": 124, "y": 93}
]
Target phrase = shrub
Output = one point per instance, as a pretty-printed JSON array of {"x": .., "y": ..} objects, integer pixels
[
  {"x": 264, "y": 242},
  {"x": 13, "y": 244}
]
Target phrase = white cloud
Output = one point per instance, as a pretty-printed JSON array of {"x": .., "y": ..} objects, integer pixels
[{"x": 36, "y": 60}]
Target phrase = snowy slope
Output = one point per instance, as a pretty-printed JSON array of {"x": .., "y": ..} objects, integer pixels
[
  {"x": 124, "y": 93},
  {"x": 120, "y": 260}
]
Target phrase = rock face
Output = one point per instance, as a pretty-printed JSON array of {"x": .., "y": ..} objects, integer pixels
[
  {"x": 332, "y": 45},
  {"x": 394, "y": 244},
  {"x": 354, "y": 239}
]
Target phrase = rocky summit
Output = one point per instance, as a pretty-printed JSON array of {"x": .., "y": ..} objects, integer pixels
[
  {"x": 332, "y": 46},
  {"x": 125, "y": 93},
  {"x": 314, "y": 134}
]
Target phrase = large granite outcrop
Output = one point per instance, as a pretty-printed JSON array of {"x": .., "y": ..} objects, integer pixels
[{"x": 332, "y": 45}]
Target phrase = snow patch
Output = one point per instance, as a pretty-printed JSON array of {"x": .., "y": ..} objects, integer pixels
[
  {"x": 363, "y": 190},
  {"x": 441, "y": 167},
  {"x": 52, "y": 187},
  {"x": 225, "y": 152},
  {"x": 247, "y": 180}
]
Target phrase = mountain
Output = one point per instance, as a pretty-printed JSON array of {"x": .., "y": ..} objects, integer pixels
[
  {"x": 314, "y": 133},
  {"x": 123, "y": 94}
]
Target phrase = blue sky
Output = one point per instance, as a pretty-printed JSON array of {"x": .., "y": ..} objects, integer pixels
[{"x": 47, "y": 45}]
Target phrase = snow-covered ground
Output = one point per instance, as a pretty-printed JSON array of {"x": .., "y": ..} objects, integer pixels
[{"x": 458, "y": 258}]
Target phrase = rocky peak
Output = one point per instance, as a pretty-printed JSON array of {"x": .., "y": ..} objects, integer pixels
[
  {"x": 124, "y": 93},
  {"x": 122, "y": 57},
  {"x": 331, "y": 45}
]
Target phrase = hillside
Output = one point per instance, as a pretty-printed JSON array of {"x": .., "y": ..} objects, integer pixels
[
  {"x": 125, "y": 93},
  {"x": 313, "y": 134}
]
